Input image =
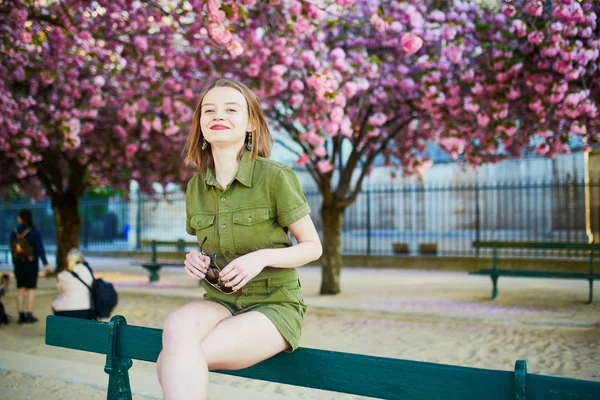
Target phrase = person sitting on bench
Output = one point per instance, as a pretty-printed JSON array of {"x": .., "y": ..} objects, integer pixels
[
  {"x": 245, "y": 206},
  {"x": 74, "y": 298}
]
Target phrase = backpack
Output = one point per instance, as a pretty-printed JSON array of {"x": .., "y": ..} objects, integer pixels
[
  {"x": 20, "y": 248},
  {"x": 104, "y": 295}
]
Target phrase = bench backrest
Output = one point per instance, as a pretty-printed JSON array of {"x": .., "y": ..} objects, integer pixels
[
  {"x": 329, "y": 370},
  {"x": 533, "y": 245}
]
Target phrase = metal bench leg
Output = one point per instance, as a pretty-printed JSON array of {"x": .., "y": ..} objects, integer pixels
[
  {"x": 153, "y": 270},
  {"x": 591, "y": 300},
  {"x": 117, "y": 368},
  {"x": 494, "y": 286}
]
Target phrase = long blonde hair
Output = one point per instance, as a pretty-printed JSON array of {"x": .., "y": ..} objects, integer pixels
[
  {"x": 261, "y": 136},
  {"x": 74, "y": 257}
]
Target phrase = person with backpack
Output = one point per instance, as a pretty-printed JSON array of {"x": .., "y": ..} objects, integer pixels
[
  {"x": 74, "y": 296},
  {"x": 27, "y": 249}
]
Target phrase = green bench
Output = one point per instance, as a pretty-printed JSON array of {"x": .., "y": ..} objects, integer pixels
[
  {"x": 495, "y": 272},
  {"x": 361, "y": 375},
  {"x": 154, "y": 265}
]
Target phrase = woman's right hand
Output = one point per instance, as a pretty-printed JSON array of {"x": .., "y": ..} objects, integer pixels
[{"x": 196, "y": 264}]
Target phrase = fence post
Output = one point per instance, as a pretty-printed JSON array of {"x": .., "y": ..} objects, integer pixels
[
  {"x": 138, "y": 223},
  {"x": 477, "y": 214},
  {"x": 369, "y": 221}
]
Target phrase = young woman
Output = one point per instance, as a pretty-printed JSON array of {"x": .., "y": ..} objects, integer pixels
[
  {"x": 74, "y": 298},
  {"x": 242, "y": 207},
  {"x": 27, "y": 249}
]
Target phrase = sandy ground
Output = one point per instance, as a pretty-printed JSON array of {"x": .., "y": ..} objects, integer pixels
[{"x": 442, "y": 317}]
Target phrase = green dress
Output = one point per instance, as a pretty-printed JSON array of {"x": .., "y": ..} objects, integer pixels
[{"x": 252, "y": 213}]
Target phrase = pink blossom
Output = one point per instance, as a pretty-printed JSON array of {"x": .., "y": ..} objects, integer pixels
[
  {"x": 519, "y": 28},
  {"x": 296, "y": 8},
  {"x": 19, "y": 73},
  {"x": 303, "y": 27},
  {"x": 296, "y": 99},
  {"x": 141, "y": 42},
  {"x": 454, "y": 53},
  {"x": 344, "y": 3},
  {"x": 91, "y": 114},
  {"x": 337, "y": 54},
  {"x": 130, "y": 150},
  {"x": 346, "y": 127},
  {"x": 449, "y": 32},
  {"x": 279, "y": 69},
  {"x": 337, "y": 114},
  {"x": 542, "y": 149},
  {"x": 544, "y": 134},
  {"x": 167, "y": 107},
  {"x": 350, "y": 89},
  {"x": 235, "y": 48},
  {"x": 297, "y": 85},
  {"x": 324, "y": 166},
  {"x": 534, "y": 7},
  {"x": 320, "y": 151},
  {"x": 219, "y": 33},
  {"x": 171, "y": 130},
  {"x": 157, "y": 124},
  {"x": 508, "y": 11},
  {"x": 18, "y": 15},
  {"x": 377, "y": 119},
  {"x": 214, "y": 11},
  {"x": 411, "y": 43},
  {"x": 25, "y": 37},
  {"x": 302, "y": 160},
  {"x": 99, "y": 81},
  {"x": 483, "y": 120},
  {"x": 314, "y": 139},
  {"x": 97, "y": 101},
  {"x": 535, "y": 37},
  {"x": 377, "y": 22},
  {"x": 578, "y": 128},
  {"x": 331, "y": 128},
  {"x": 253, "y": 70}
]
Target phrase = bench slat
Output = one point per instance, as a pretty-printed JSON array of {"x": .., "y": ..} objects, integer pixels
[
  {"x": 78, "y": 334},
  {"x": 533, "y": 245},
  {"x": 536, "y": 274},
  {"x": 329, "y": 370}
]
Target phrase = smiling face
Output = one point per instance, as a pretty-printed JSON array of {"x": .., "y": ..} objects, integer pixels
[{"x": 224, "y": 117}]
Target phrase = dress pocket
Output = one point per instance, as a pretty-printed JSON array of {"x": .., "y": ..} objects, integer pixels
[
  {"x": 203, "y": 225},
  {"x": 251, "y": 229}
]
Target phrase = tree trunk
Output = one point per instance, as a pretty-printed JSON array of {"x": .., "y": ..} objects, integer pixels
[
  {"x": 331, "y": 261},
  {"x": 67, "y": 222}
]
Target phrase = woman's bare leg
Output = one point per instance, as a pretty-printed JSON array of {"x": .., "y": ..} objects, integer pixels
[
  {"x": 242, "y": 341},
  {"x": 182, "y": 368},
  {"x": 30, "y": 300},
  {"x": 21, "y": 300}
]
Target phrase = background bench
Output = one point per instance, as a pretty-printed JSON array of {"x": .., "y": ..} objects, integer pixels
[
  {"x": 154, "y": 265},
  {"x": 357, "y": 374},
  {"x": 494, "y": 272}
]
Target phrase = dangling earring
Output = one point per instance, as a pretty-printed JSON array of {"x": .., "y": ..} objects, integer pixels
[
  {"x": 204, "y": 144},
  {"x": 249, "y": 141}
]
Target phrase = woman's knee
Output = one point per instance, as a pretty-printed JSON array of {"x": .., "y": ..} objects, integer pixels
[{"x": 190, "y": 324}]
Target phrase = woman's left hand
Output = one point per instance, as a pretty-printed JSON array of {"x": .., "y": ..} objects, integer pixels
[{"x": 238, "y": 272}]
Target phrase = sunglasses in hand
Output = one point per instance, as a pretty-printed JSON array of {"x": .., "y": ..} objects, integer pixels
[{"x": 212, "y": 274}]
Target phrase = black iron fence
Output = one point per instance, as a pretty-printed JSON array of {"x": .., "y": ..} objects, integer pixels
[{"x": 412, "y": 219}]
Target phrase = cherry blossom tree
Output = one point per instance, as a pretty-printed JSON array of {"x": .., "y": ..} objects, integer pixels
[
  {"x": 353, "y": 82},
  {"x": 91, "y": 94},
  {"x": 101, "y": 92}
]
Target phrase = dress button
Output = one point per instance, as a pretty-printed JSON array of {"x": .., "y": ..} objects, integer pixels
[
  {"x": 223, "y": 226},
  {"x": 222, "y": 199},
  {"x": 249, "y": 219}
]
